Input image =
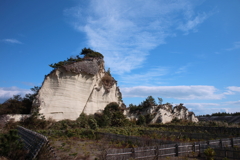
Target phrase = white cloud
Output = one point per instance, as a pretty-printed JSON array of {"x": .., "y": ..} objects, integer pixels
[
  {"x": 234, "y": 88},
  {"x": 204, "y": 108},
  {"x": 126, "y": 31},
  {"x": 182, "y": 69},
  {"x": 209, "y": 108},
  {"x": 152, "y": 76},
  {"x": 235, "y": 103},
  {"x": 192, "y": 23},
  {"x": 177, "y": 92},
  {"x": 8, "y": 92},
  {"x": 236, "y": 45},
  {"x": 28, "y": 84},
  {"x": 14, "y": 41}
]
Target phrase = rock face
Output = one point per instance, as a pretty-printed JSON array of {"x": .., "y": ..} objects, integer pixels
[
  {"x": 80, "y": 87},
  {"x": 164, "y": 113}
]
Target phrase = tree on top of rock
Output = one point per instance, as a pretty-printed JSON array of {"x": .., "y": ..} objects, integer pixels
[{"x": 87, "y": 52}]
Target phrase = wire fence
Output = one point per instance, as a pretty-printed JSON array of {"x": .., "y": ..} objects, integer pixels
[
  {"x": 150, "y": 148},
  {"x": 182, "y": 135},
  {"x": 216, "y": 130},
  {"x": 33, "y": 142},
  {"x": 138, "y": 141}
]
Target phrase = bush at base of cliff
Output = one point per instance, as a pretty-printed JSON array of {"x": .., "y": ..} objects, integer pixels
[
  {"x": 92, "y": 122},
  {"x": 141, "y": 120},
  {"x": 35, "y": 121},
  {"x": 112, "y": 116}
]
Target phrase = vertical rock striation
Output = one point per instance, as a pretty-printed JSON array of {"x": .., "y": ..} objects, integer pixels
[{"x": 80, "y": 87}]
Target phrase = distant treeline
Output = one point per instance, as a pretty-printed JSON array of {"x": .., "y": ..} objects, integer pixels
[
  {"x": 221, "y": 114},
  {"x": 18, "y": 104}
]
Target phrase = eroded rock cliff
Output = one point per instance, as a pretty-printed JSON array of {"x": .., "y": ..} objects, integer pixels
[
  {"x": 163, "y": 113},
  {"x": 79, "y": 87}
]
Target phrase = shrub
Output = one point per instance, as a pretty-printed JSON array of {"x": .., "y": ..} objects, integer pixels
[
  {"x": 87, "y": 52},
  {"x": 209, "y": 153},
  {"x": 92, "y": 123},
  {"x": 83, "y": 120},
  {"x": 141, "y": 120},
  {"x": 11, "y": 146},
  {"x": 176, "y": 120},
  {"x": 107, "y": 80},
  {"x": 35, "y": 121},
  {"x": 102, "y": 120},
  {"x": 149, "y": 118},
  {"x": 112, "y": 116}
]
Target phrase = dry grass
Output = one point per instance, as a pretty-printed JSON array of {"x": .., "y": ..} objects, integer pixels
[{"x": 75, "y": 148}]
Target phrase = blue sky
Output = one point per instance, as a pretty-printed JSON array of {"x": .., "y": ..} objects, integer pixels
[{"x": 183, "y": 51}]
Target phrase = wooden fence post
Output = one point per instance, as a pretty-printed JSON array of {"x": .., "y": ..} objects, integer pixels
[
  {"x": 176, "y": 150},
  {"x": 225, "y": 152},
  {"x": 157, "y": 152},
  {"x": 199, "y": 145},
  {"x": 232, "y": 143},
  {"x": 133, "y": 153},
  {"x": 194, "y": 147},
  {"x": 221, "y": 143}
]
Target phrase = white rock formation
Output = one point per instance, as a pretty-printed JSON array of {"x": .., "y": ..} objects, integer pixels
[
  {"x": 163, "y": 113},
  {"x": 15, "y": 117},
  {"x": 77, "y": 88}
]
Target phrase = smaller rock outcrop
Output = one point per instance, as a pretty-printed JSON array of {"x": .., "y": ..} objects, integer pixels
[{"x": 163, "y": 113}]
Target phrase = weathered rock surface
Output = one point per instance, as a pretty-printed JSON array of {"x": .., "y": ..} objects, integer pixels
[
  {"x": 77, "y": 88},
  {"x": 164, "y": 113}
]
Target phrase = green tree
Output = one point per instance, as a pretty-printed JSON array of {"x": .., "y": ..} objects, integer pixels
[
  {"x": 87, "y": 52},
  {"x": 19, "y": 105},
  {"x": 108, "y": 72},
  {"x": 92, "y": 122},
  {"x": 160, "y": 100},
  {"x": 151, "y": 100},
  {"x": 102, "y": 120},
  {"x": 141, "y": 120},
  {"x": 112, "y": 116},
  {"x": 83, "y": 120}
]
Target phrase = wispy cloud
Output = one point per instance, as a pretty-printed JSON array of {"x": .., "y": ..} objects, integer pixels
[
  {"x": 182, "y": 69},
  {"x": 234, "y": 88},
  {"x": 7, "y": 92},
  {"x": 176, "y": 92},
  {"x": 204, "y": 108},
  {"x": 236, "y": 45},
  {"x": 146, "y": 78},
  {"x": 237, "y": 103},
  {"x": 191, "y": 23},
  {"x": 208, "y": 108},
  {"x": 28, "y": 84},
  {"x": 13, "y": 41},
  {"x": 126, "y": 31}
]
